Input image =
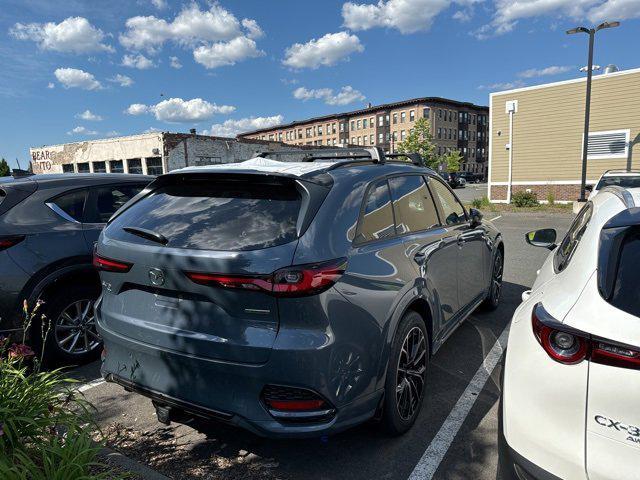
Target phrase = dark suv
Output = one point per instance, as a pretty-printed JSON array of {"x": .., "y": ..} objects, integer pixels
[
  {"x": 291, "y": 298},
  {"x": 48, "y": 225}
]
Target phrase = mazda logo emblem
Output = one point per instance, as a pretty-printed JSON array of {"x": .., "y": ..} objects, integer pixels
[{"x": 156, "y": 276}]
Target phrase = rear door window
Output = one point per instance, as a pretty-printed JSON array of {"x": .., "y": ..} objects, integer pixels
[
  {"x": 104, "y": 201},
  {"x": 376, "y": 221},
  {"x": 412, "y": 204},
  {"x": 216, "y": 215},
  {"x": 570, "y": 242},
  {"x": 452, "y": 209},
  {"x": 71, "y": 204},
  {"x": 625, "y": 292}
]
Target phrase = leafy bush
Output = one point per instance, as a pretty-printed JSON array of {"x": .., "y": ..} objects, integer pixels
[
  {"x": 525, "y": 199},
  {"x": 551, "y": 198},
  {"x": 481, "y": 202},
  {"x": 43, "y": 420}
]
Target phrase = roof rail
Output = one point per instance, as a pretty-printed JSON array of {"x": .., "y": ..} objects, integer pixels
[
  {"x": 622, "y": 193},
  {"x": 17, "y": 173},
  {"x": 415, "y": 158},
  {"x": 374, "y": 154},
  {"x": 621, "y": 170}
]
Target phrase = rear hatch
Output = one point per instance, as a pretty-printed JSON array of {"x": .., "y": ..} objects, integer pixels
[{"x": 212, "y": 224}]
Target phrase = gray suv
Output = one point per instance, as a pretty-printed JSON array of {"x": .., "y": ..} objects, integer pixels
[
  {"x": 291, "y": 298},
  {"x": 48, "y": 225}
]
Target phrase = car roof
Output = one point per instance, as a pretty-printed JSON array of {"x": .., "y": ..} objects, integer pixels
[
  {"x": 621, "y": 173},
  {"x": 76, "y": 179}
]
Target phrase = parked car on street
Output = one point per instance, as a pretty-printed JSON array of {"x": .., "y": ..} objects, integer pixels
[
  {"x": 571, "y": 384},
  {"x": 471, "y": 177},
  {"x": 48, "y": 226},
  {"x": 291, "y": 298},
  {"x": 620, "y": 178},
  {"x": 453, "y": 179}
]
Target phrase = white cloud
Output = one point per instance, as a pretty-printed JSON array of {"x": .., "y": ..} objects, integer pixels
[
  {"x": 159, "y": 4},
  {"x": 226, "y": 53},
  {"x": 407, "y": 16},
  {"x": 175, "y": 62},
  {"x": 541, "y": 72},
  {"x": 76, "y": 78},
  {"x": 253, "y": 29},
  {"x": 152, "y": 130},
  {"x": 190, "y": 27},
  {"x": 122, "y": 80},
  {"x": 112, "y": 133},
  {"x": 462, "y": 16},
  {"x": 137, "y": 61},
  {"x": 51, "y": 85},
  {"x": 327, "y": 50},
  {"x": 509, "y": 12},
  {"x": 231, "y": 128},
  {"x": 89, "y": 116},
  {"x": 73, "y": 35},
  {"x": 81, "y": 131},
  {"x": 502, "y": 85},
  {"x": 345, "y": 96},
  {"x": 176, "y": 110}
]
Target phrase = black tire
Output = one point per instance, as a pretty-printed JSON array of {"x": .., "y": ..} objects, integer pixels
[
  {"x": 495, "y": 289},
  {"x": 61, "y": 301},
  {"x": 396, "y": 418}
]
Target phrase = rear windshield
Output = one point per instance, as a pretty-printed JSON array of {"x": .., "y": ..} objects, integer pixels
[
  {"x": 215, "y": 215},
  {"x": 626, "y": 295},
  {"x": 625, "y": 181}
]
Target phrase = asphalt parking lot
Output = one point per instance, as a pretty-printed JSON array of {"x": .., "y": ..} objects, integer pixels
[
  {"x": 454, "y": 437},
  {"x": 471, "y": 191}
]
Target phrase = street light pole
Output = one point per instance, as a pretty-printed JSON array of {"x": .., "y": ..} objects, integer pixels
[{"x": 587, "y": 109}]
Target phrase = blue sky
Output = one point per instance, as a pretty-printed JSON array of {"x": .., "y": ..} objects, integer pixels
[{"x": 77, "y": 70}]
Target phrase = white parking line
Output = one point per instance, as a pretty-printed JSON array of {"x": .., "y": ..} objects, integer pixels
[
  {"x": 494, "y": 219},
  {"x": 432, "y": 457},
  {"x": 90, "y": 385}
]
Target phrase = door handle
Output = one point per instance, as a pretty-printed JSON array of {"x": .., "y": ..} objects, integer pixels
[{"x": 420, "y": 258}]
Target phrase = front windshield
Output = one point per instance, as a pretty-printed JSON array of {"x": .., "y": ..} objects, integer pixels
[{"x": 625, "y": 181}]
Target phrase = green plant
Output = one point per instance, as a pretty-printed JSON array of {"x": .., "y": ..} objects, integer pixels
[
  {"x": 476, "y": 203},
  {"x": 481, "y": 202},
  {"x": 525, "y": 199},
  {"x": 5, "y": 171},
  {"x": 551, "y": 198},
  {"x": 43, "y": 419},
  {"x": 420, "y": 141}
]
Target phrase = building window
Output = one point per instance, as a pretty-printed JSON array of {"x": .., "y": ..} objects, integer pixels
[
  {"x": 450, "y": 115},
  {"x": 439, "y": 132},
  {"x": 455, "y": 134},
  {"x": 395, "y": 118},
  {"x": 364, "y": 123},
  {"x": 116, "y": 166},
  {"x": 371, "y": 141},
  {"x": 387, "y": 136},
  {"x": 154, "y": 166},
  {"x": 474, "y": 119},
  {"x": 353, "y": 140},
  {"x": 308, "y": 132},
  {"x": 412, "y": 115},
  {"x": 380, "y": 121},
  {"x": 134, "y": 165},
  {"x": 342, "y": 127},
  {"x": 394, "y": 136},
  {"x": 359, "y": 124},
  {"x": 372, "y": 121},
  {"x": 83, "y": 168},
  {"x": 425, "y": 112},
  {"x": 99, "y": 167},
  {"x": 403, "y": 117},
  {"x": 68, "y": 168},
  {"x": 386, "y": 119},
  {"x": 439, "y": 113},
  {"x": 403, "y": 135},
  {"x": 353, "y": 125},
  {"x": 319, "y": 129},
  {"x": 380, "y": 138},
  {"x": 364, "y": 140}
]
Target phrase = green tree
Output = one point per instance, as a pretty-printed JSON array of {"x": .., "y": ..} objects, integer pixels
[
  {"x": 5, "y": 171},
  {"x": 451, "y": 161},
  {"x": 420, "y": 141}
]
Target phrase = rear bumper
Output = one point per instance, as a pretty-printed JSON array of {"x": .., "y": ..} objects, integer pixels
[
  {"x": 513, "y": 466},
  {"x": 230, "y": 392}
]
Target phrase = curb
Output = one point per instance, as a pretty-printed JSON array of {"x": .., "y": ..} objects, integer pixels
[{"x": 117, "y": 459}]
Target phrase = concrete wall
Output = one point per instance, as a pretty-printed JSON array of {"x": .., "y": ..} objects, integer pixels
[{"x": 548, "y": 134}]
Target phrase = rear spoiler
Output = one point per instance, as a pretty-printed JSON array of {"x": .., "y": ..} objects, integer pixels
[{"x": 612, "y": 237}]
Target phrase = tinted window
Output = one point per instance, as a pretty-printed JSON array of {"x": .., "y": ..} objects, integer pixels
[
  {"x": 412, "y": 204},
  {"x": 116, "y": 166},
  {"x": 106, "y": 200},
  {"x": 99, "y": 167},
  {"x": 452, "y": 210},
  {"x": 83, "y": 168},
  {"x": 67, "y": 168},
  {"x": 72, "y": 203},
  {"x": 216, "y": 216},
  {"x": 625, "y": 181},
  {"x": 154, "y": 166},
  {"x": 134, "y": 165},
  {"x": 377, "y": 219},
  {"x": 625, "y": 293},
  {"x": 571, "y": 240}
]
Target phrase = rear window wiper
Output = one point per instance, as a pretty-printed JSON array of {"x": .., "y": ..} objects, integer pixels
[{"x": 148, "y": 234}]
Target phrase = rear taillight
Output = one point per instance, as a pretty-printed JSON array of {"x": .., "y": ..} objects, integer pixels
[
  {"x": 110, "y": 265},
  {"x": 570, "y": 346},
  {"x": 295, "y": 281},
  {"x": 9, "y": 241}
]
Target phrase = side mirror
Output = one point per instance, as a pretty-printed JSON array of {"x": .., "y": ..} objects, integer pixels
[
  {"x": 545, "y": 237},
  {"x": 476, "y": 217},
  {"x": 588, "y": 188}
]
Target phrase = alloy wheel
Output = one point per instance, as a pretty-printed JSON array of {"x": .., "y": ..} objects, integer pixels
[
  {"x": 75, "y": 328},
  {"x": 410, "y": 376},
  {"x": 496, "y": 279}
]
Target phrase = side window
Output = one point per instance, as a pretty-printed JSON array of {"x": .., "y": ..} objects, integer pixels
[
  {"x": 571, "y": 240},
  {"x": 71, "y": 205},
  {"x": 104, "y": 201},
  {"x": 452, "y": 209},
  {"x": 412, "y": 204},
  {"x": 377, "y": 219},
  {"x": 625, "y": 291}
]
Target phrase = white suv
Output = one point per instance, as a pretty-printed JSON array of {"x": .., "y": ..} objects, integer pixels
[
  {"x": 571, "y": 383},
  {"x": 620, "y": 178}
]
